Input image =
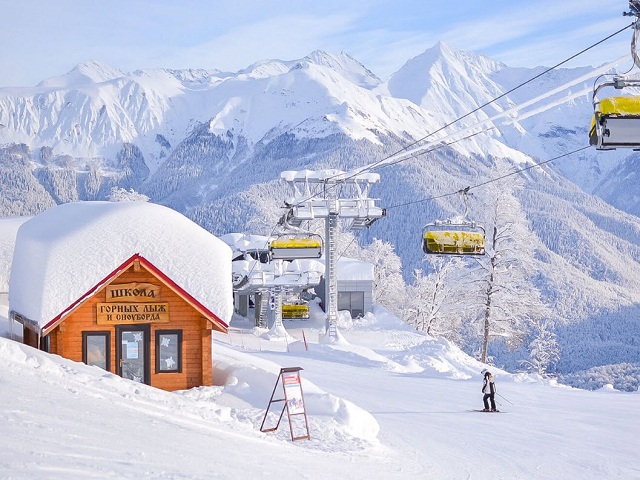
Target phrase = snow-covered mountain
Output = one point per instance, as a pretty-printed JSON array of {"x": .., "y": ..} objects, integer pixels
[{"x": 212, "y": 144}]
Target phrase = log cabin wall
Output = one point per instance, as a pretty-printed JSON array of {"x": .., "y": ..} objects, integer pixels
[{"x": 67, "y": 338}]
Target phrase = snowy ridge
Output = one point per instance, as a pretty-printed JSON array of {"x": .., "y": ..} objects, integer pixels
[
  {"x": 84, "y": 73},
  {"x": 94, "y": 108},
  {"x": 446, "y": 80}
]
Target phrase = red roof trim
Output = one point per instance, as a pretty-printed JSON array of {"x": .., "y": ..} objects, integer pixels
[
  {"x": 153, "y": 269},
  {"x": 186, "y": 295}
]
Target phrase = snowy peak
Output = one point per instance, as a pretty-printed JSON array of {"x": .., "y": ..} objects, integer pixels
[
  {"x": 446, "y": 80},
  {"x": 266, "y": 69},
  {"x": 444, "y": 52},
  {"x": 88, "y": 72},
  {"x": 345, "y": 65},
  {"x": 342, "y": 64}
]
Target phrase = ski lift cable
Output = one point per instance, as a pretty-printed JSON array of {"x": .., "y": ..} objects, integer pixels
[
  {"x": 420, "y": 150},
  {"x": 390, "y": 158},
  {"x": 507, "y": 113},
  {"x": 495, "y": 99},
  {"x": 346, "y": 248},
  {"x": 435, "y": 146},
  {"x": 440, "y": 143},
  {"x": 502, "y": 177}
]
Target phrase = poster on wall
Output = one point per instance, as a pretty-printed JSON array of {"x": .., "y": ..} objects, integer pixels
[{"x": 132, "y": 350}]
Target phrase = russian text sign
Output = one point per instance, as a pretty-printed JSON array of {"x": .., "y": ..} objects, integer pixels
[
  {"x": 132, "y": 292},
  {"x": 131, "y": 313}
]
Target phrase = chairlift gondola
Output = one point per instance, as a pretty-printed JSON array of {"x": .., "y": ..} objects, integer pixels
[
  {"x": 451, "y": 238},
  {"x": 294, "y": 243},
  {"x": 291, "y": 246},
  {"x": 616, "y": 120},
  {"x": 292, "y": 311},
  {"x": 454, "y": 237}
]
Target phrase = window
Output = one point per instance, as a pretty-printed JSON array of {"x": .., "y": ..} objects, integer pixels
[
  {"x": 352, "y": 301},
  {"x": 168, "y": 351},
  {"x": 96, "y": 348},
  {"x": 45, "y": 343}
]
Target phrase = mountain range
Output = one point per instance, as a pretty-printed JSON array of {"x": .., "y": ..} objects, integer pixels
[{"x": 212, "y": 144}]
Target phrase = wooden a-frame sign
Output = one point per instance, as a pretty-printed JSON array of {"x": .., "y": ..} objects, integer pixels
[{"x": 293, "y": 402}]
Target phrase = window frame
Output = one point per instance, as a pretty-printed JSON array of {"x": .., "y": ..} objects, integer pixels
[
  {"x": 178, "y": 334},
  {"x": 45, "y": 343},
  {"x": 97, "y": 333}
]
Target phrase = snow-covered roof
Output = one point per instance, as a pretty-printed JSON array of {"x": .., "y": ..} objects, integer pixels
[
  {"x": 351, "y": 269},
  {"x": 8, "y": 231},
  {"x": 241, "y": 242},
  {"x": 66, "y": 251},
  {"x": 321, "y": 176}
]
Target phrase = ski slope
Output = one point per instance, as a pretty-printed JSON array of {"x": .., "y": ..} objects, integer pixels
[{"x": 385, "y": 402}]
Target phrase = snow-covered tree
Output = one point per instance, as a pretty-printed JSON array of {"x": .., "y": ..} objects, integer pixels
[
  {"x": 123, "y": 195},
  {"x": 434, "y": 304},
  {"x": 543, "y": 348},
  {"x": 388, "y": 284},
  {"x": 507, "y": 296}
]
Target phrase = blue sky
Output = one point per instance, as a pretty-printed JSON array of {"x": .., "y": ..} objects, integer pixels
[{"x": 44, "y": 38}]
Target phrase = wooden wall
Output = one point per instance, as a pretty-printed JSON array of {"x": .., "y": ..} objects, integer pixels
[{"x": 66, "y": 339}]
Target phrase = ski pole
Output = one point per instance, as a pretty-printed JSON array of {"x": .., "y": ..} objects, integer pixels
[{"x": 503, "y": 397}]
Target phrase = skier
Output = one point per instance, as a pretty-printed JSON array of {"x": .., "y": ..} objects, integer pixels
[{"x": 489, "y": 390}]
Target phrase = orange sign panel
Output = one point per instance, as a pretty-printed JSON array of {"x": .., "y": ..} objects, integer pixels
[
  {"x": 130, "y": 313},
  {"x": 132, "y": 292}
]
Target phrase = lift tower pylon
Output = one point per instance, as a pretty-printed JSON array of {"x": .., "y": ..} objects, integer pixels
[{"x": 331, "y": 195}]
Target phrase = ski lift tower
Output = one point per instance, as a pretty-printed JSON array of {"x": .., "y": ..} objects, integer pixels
[
  {"x": 331, "y": 195},
  {"x": 272, "y": 280}
]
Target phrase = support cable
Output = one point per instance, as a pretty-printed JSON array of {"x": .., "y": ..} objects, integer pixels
[
  {"x": 379, "y": 163},
  {"x": 502, "y": 177},
  {"x": 520, "y": 85}
]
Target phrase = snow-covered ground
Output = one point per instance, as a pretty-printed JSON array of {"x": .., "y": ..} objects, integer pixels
[{"x": 387, "y": 402}]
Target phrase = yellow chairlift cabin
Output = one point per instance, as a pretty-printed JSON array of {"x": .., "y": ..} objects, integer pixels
[
  {"x": 290, "y": 246},
  {"x": 616, "y": 120},
  {"x": 293, "y": 311},
  {"x": 294, "y": 243},
  {"x": 454, "y": 237},
  {"x": 449, "y": 238}
]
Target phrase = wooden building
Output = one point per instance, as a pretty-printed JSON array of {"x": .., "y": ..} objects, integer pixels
[{"x": 137, "y": 320}]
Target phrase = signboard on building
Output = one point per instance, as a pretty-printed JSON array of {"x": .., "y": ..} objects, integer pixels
[
  {"x": 131, "y": 303},
  {"x": 130, "y": 313},
  {"x": 132, "y": 292}
]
